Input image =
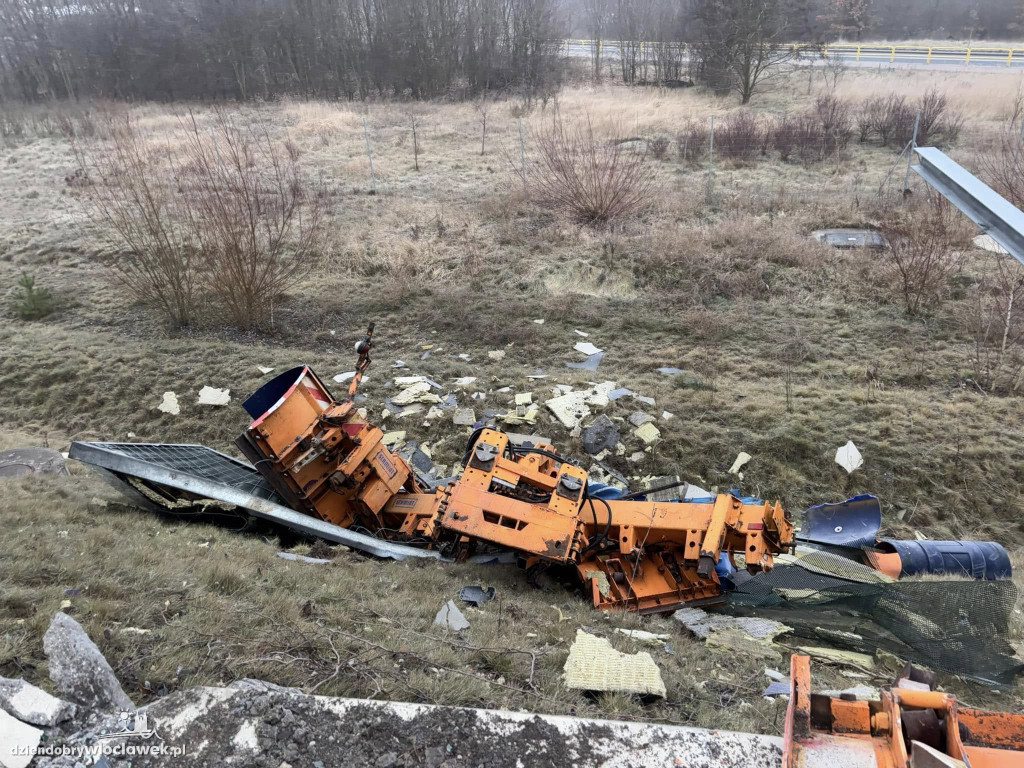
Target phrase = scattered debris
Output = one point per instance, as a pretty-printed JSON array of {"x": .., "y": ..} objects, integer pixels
[
  {"x": 301, "y": 558},
  {"x": 418, "y": 392},
  {"x": 593, "y": 665},
  {"x": 648, "y": 433},
  {"x": 476, "y": 595},
  {"x": 450, "y": 617},
  {"x": 26, "y": 461},
  {"x": 169, "y": 404},
  {"x": 587, "y": 348},
  {"x": 213, "y": 396},
  {"x": 578, "y": 332},
  {"x": 602, "y": 434},
  {"x": 570, "y": 408},
  {"x": 33, "y": 705},
  {"x": 639, "y": 418},
  {"x": 464, "y": 382},
  {"x": 464, "y": 417},
  {"x": 401, "y": 364},
  {"x": 590, "y": 364},
  {"x": 497, "y": 354},
  {"x": 666, "y": 415},
  {"x": 393, "y": 438},
  {"x": 18, "y": 742},
  {"x": 774, "y": 674},
  {"x": 776, "y": 689},
  {"x": 741, "y": 460},
  {"x": 861, "y": 660},
  {"x": 539, "y": 321},
  {"x": 78, "y": 670},
  {"x": 618, "y": 392},
  {"x": 642, "y": 636},
  {"x": 668, "y": 371},
  {"x": 704, "y": 624},
  {"x": 524, "y": 398},
  {"x": 645, "y": 400},
  {"x": 637, "y": 456},
  {"x": 849, "y": 458},
  {"x": 264, "y": 369}
]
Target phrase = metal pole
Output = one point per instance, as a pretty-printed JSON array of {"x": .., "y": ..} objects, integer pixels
[
  {"x": 711, "y": 157},
  {"x": 910, "y": 154},
  {"x": 369, "y": 156},
  {"x": 522, "y": 151}
]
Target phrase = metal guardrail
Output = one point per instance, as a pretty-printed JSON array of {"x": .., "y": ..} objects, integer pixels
[{"x": 926, "y": 54}]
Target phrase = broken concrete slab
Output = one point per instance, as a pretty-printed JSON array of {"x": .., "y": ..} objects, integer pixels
[
  {"x": 33, "y": 705},
  {"x": 648, "y": 433},
  {"x": 213, "y": 396},
  {"x": 78, "y": 670},
  {"x": 450, "y": 617},
  {"x": 27, "y": 461},
  {"x": 256, "y": 727},
  {"x": 570, "y": 409},
  {"x": 594, "y": 665},
  {"x": 18, "y": 742},
  {"x": 408, "y": 381},
  {"x": 602, "y": 434},
  {"x": 169, "y": 404}
]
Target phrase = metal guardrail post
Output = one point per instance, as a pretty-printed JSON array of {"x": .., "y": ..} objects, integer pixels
[{"x": 968, "y": 59}]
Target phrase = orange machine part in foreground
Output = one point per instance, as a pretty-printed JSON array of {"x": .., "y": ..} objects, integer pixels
[
  {"x": 909, "y": 727},
  {"x": 325, "y": 460}
]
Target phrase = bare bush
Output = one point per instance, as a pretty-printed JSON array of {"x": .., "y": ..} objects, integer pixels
[
  {"x": 692, "y": 140},
  {"x": 890, "y": 119},
  {"x": 659, "y": 147},
  {"x": 1002, "y": 167},
  {"x": 257, "y": 219},
  {"x": 740, "y": 137},
  {"x": 226, "y": 212},
  {"x": 587, "y": 178},
  {"x": 833, "y": 117},
  {"x": 995, "y": 321},
  {"x": 133, "y": 193},
  {"x": 919, "y": 259}
]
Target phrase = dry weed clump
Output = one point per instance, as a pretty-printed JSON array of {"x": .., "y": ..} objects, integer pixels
[
  {"x": 587, "y": 178},
  {"x": 920, "y": 258}
]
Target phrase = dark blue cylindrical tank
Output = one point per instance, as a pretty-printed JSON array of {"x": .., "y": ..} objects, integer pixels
[{"x": 977, "y": 559}]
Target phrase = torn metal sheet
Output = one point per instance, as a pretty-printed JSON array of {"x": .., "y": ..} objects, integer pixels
[
  {"x": 476, "y": 595},
  {"x": 26, "y": 461},
  {"x": 850, "y": 523},
  {"x": 590, "y": 364},
  {"x": 193, "y": 473}
]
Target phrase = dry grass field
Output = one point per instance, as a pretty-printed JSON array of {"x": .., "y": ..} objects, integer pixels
[{"x": 456, "y": 255}]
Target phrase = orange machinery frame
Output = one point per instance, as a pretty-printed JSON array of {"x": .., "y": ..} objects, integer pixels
[
  {"x": 887, "y": 732},
  {"x": 326, "y": 460}
]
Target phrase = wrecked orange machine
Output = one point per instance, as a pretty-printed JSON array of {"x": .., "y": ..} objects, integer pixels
[
  {"x": 326, "y": 460},
  {"x": 910, "y": 726}
]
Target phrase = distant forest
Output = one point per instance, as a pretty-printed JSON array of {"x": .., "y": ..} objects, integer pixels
[{"x": 260, "y": 49}]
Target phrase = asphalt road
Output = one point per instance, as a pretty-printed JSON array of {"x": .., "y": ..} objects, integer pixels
[{"x": 870, "y": 56}]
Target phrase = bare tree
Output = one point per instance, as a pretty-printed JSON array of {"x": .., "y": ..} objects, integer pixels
[
  {"x": 740, "y": 44},
  {"x": 598, "y": 17},
  {"x": 483, "y": 106},
  {"x": 995, "y": 321}
]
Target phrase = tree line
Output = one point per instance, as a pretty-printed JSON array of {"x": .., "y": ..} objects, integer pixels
[{"x": 260, "y": 49}]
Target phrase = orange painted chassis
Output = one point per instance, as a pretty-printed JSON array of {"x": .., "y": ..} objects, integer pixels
[
  {"x": 328, "y": 461},
  {"x": 824, "y": 731}
]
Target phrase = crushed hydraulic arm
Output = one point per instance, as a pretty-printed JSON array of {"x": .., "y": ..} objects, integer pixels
[{"x": 325, "y": 460}]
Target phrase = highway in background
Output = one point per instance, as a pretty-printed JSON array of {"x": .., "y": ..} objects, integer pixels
[{"x": 915, "y": 55}]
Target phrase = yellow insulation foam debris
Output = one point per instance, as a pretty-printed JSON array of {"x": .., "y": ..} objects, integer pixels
[{"x": 593, "y": 665}]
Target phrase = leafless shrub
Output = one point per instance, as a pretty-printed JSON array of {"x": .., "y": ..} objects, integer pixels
[
  {"x": 226, "y": 211},
  {"x": 919, "y": 259},
  {"x": 659, "y": 147},
  {"x": 890, "y": 119},
  {"x": 1003, "y": 165},
  {"x": 995, "y": 321},
  {"x": 255, "y": 216},
  {"x": 133, "y": 193},
  {"x": 740, "y": 137},
  {"x": 587, "y": 178},
  {"x": 869, "y": 117},
  {"x": 833, "y": 117},
  {"x": 692, "y": 140}
]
